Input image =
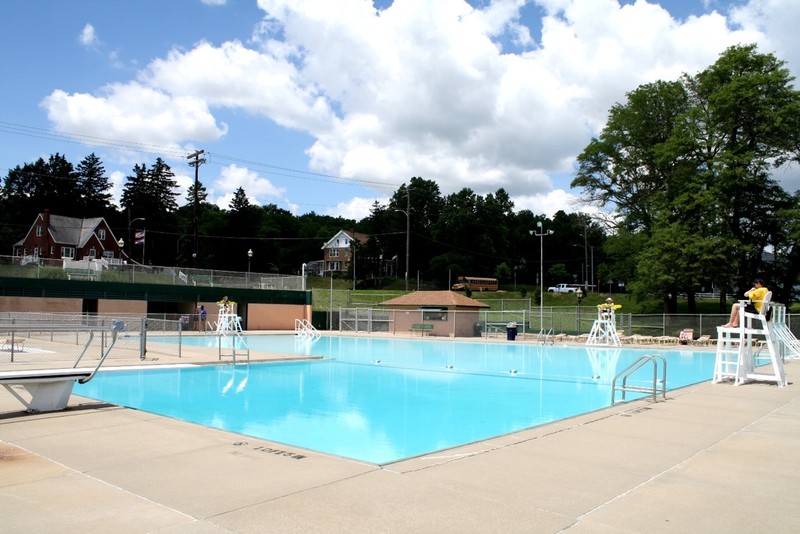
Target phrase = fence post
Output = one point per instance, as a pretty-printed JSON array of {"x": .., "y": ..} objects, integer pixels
[{"x": 143, "y": 339}]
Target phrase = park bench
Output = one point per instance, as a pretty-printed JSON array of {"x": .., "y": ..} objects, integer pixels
[{"x": 422, "y": 328}]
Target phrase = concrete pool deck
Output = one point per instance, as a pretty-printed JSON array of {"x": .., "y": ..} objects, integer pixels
[{"x": 712, "y": 458}]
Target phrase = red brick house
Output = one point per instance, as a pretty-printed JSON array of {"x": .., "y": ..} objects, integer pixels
[
  {"x": 338, "y": 251},
  {"x": 59, "y": 237}
]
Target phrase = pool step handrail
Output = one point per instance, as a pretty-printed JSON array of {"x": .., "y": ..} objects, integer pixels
[
  {"x": 303, "y": 327},
  {"x": 631, "y": 369},
  {"x": 231, "y": 342}
]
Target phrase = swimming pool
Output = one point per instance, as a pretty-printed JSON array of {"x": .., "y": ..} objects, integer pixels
[{"x": 380, "y": 399}]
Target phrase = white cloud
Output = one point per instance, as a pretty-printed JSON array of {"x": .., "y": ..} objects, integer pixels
[
  {"x": 425, "y": 88},
  {"x": 133, "y": 113},
  {"x": 260, "y": 191},
  {"x": 356, "y": 208},
  {"x": 214, "y": 2},
  {"x": 88, "y": 37}
]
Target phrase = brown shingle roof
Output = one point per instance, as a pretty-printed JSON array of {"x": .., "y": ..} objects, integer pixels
[{"x": 435, "y": 298}]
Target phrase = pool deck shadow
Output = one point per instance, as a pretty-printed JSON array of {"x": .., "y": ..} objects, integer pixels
[{"x": 711, "y": 458}]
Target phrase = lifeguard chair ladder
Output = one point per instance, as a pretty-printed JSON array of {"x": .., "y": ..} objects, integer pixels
[
  {"x": 735, "y": 355},
  {"x": 229, "y": 330},
  {"x": 604, "y": 331}
]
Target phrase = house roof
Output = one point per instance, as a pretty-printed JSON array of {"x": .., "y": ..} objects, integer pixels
[
  {"x": 346, "y": 237},
  {"x": 67, "y": 230},
  {"x": 73, "y": 231},
  {"x": 435, "y": 298}
]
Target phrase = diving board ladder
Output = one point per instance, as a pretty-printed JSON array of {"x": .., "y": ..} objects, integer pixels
[{"x": 304, "y": 328}]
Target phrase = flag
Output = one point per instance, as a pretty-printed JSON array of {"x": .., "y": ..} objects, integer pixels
[{"x": 139, "y": 238}]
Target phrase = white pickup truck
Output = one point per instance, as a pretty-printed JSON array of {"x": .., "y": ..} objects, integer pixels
[{"x": 562, "y": 288}]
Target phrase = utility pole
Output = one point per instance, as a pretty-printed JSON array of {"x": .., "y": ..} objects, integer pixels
[{"x": 196, "y": 164}]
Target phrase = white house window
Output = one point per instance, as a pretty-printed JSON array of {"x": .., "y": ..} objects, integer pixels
[
  {"x": 334, "y": 253},
  {"x": 102, "y": 234},
  {"x": 108, "y": 254},
  {"x": 67, "y": 252},
  {"x": 92, "y": 253},
  {"x": 334, "y": 265},
  {"x": 39, "y": 231}
]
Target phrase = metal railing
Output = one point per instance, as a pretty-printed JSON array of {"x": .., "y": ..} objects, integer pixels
[{"x": 99, "y": 269}]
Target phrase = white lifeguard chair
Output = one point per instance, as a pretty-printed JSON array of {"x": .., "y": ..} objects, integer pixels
[
  {"x": 738, "y": 348},
  {"x": 228, "y": 320},
  {"x": 604, "y": 331}
]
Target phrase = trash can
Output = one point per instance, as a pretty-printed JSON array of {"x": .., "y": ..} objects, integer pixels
[
  {"x": 477, "y": 329},
  {"x": 511, "y": 331}
]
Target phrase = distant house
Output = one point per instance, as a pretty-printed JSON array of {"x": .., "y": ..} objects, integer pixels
[
  {"x": 59, "y": 237},
  {"x": 337, "y": 251}
]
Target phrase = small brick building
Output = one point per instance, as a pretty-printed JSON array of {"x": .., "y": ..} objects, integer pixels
[{"x": 451, "y": 314}]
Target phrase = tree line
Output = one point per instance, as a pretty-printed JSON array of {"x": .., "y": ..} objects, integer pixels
[{"x": 682, "y": 170}]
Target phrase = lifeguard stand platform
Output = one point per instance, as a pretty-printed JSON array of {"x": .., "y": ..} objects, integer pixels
[
  {"x": 739, "y": 349},
  {"x": 603, "y": 330},
  {"x": 228, "y": 320}
]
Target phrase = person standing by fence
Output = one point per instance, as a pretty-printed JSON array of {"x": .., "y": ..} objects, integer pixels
[{"x": 202, "y": 314}]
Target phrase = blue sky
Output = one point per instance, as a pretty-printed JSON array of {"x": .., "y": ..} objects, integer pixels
[{"x": 328, "y": 106}]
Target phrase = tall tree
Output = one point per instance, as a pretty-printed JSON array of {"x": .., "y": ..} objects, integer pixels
[
  {"x": 699, "y": 150},
  {"x": 150, "y": 194},
  {"x": 93, "y": 186}
]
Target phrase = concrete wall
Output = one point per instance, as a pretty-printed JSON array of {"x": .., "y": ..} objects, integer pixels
[
  {"x": 275, "y": 316},
  {"x": 117, "y": 307},
  {"x": 40, "y": 305}
]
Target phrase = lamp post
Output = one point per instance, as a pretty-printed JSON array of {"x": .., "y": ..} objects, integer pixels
[
  {"x": 540, "y": 233},
  {"x": 408, "y": 238},
  {"x": 249, "y": 257},
  {"x": 579, "y": 294},
  {"x": 121, "y": 245}
]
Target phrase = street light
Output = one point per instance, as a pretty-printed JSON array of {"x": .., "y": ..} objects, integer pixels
[
  {"x": 249, "y": 257},
  {"x": 121, "y": 245},
  {"x": 408, "y": 238},
  {"x": 540, "y": 233},
  {"x": 579, "y": 294}
]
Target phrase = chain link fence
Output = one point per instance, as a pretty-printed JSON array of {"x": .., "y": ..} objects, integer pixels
[{"x": 45, "y": 337}]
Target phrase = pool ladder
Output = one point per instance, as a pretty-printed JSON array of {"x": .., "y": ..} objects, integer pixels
[{"x": 626, "y": 373}]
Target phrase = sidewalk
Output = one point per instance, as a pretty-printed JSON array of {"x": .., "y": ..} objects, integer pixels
[{"x": 712, "y": 458}]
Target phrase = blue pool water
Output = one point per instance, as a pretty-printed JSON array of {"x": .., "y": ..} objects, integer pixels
[{"x": 380, "y": 399}]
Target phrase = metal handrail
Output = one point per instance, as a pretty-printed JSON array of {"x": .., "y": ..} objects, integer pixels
[
  {"x": 632, "y": 368},
  {"x": 39, "y": 327}
]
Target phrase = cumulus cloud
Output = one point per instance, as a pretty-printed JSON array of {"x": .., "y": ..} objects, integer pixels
[
  {"x": 443, "y": 90},
  {"x": 133, "y": 114},
  {"x": 259, "y": 190},
  {"x": 88, "y": 37}
]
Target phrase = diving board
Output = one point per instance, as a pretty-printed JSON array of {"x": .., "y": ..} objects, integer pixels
[{"x": 49, "y": 389}]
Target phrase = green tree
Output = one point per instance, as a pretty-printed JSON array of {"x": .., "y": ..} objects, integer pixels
[
  {"x": 150, "y": 194},
  {"x": 93, "y": 186},
  {"x": 695, "y": 156}
]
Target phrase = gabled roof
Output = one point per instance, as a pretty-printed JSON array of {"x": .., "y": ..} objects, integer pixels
[
  {"x": 67, "y": 230},
  {"x": 73, "y": 231},
  {"x": 345, "y": 238},
  {"x": 435, "y": 298}
]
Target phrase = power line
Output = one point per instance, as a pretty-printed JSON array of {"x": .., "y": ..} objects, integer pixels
[{"x": 179, "y": 153}]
